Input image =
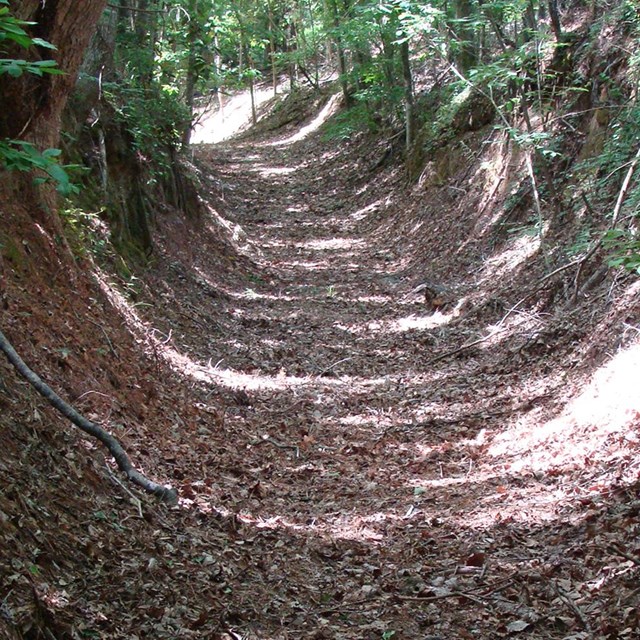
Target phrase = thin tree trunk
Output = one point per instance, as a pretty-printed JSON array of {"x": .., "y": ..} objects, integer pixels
[
  {"x": 272, "y": 50},
  {"x": 192, "y": 74},
  {"x": 555, "y": 19},
  {"x": 218, "y": 67},
  {"x": 252, "y": 91},
  {"x": 408, "y": 91},
  {"x": 342, "y": 60}
]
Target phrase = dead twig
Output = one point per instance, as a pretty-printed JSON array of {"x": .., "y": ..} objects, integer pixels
[
  {"x": 583, "y": 261},
  {"x": 111, "y": 348},
  {"x": 464, "y": 347},
  {"x": 442, "y": 596},
  {"x": 136, "y": 501},
  {"x": 335, "y": 364},
  {"x": 621, "y": 552},
  {"x": 623, "y": 189},
  {"x": 275, "y": 443},
  {"x": 568, "y": 600}
]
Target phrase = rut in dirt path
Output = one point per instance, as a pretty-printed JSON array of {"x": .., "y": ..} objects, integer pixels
[{"x": 362, "y": 491}]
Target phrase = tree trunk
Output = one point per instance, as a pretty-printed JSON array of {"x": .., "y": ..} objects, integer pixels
[
  {"x": 556, "y": 25},
  {"x": 408, "y": 91},
  {"x": 32, "y": 106},
  {"x": 192, "y": 74},
  {"x": 272, "y": 49},
  {"x": 468, "y": 52},
  {"x": 334, "y": 16}
]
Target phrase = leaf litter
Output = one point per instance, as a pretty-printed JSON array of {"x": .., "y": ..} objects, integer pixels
[{"x": 333, "y": 483}]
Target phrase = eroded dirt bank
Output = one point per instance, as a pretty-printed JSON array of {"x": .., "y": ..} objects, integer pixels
[{"x": 341, "y": 475}]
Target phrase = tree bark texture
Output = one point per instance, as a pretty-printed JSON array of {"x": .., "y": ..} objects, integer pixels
[{"x": 32, "y": 106}]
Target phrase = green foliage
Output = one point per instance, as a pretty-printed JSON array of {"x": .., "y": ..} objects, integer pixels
[
  {"x": 155, "y": 119},
  {"x": 11, "y": 30},
  {"x": 17, "y": 155},
  {"x": 86, "y": 232},
  {"x": 16, "y": 68},
  {"x": 346, "y": 124},
  {"x": 624, "y": 247},
  {"x": 608, "y": 167}
]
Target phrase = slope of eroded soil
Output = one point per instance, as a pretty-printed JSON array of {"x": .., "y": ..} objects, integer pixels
[{"x": 352, "y": 462}]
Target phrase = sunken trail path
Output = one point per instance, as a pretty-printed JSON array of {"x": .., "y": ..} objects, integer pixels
[{"x": 358, "y": 492}]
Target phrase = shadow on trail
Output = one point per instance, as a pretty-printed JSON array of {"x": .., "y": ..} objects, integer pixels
[{"x": 362, "y": 490}]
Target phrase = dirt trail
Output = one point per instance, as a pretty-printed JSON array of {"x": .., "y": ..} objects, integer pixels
[{"x": 358, "y": 484}]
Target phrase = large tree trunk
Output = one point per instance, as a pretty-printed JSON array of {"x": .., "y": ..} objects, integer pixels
[{"x": 31, "y": 107}]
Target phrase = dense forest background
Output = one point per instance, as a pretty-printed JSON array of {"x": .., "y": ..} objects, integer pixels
[
  {"x": 413, "y": 73},
  {"x": 374, "y": 353}
]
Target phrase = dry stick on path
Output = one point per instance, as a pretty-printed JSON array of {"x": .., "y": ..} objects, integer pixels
[{"x": 166, "y": 494}]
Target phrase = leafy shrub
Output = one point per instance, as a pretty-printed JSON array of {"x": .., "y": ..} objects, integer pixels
[{"x": 154, "y": 118}]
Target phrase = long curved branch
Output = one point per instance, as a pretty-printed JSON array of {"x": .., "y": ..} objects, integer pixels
[{"x": 166, "y": 494}]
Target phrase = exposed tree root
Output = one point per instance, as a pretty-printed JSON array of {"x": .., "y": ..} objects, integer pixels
[{"x": 166, "y": 494}]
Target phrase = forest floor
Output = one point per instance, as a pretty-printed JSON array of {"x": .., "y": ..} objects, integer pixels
[{"x": 344, "y": 471}]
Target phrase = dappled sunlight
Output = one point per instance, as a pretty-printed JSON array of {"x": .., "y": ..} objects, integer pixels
[
  {"x": 332, "y": 106},
  {"x": 267, "y": 172},
  {"x": 215, "y": 125},
  {"x": 355, "y": 527},
  {"x": 119, "y": 301},
  {"x": 607, "y": 411},
  {"x": 255, "y": 381},
  {"x": 317, "y": 265},
  {"x": 363, "y": 212},
  {"x": 411, "y": 322},
  {"x": 332, "y": 244},
  {"x": 518, "y": 251},
  {"x": 399, "y": 325},
  {"x": 493, "y": 176}
]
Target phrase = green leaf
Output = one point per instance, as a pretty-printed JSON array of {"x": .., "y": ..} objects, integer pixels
[
  {"x": 14, "y": 69},
  {"x": 43, "y": 43},
  {"x": 51, "y": 153}
]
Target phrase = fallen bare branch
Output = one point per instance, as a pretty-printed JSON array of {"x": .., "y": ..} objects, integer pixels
[
  {"x": 568, "y": 600},
  {"x": 468, "y": 345},
  {"x": 166, "y": 494}
]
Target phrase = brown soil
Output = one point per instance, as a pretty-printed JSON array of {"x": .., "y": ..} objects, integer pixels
[{"x": 345, "y": 469}]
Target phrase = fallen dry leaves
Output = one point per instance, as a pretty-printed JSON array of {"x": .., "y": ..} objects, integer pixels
[{"x": 333, "y": 484}]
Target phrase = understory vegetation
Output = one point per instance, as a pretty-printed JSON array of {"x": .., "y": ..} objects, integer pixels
[{"x": 558, "y": 82}]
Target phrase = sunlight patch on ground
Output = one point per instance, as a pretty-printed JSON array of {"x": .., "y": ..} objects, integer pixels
[
  {"x": 355, "y": 527},
  {"x": 255, "y": 381},
  {"x": 119, "y": 302},
  {"x": 606, "y": 412},
  {"x": 214, "y": 126},
  {"x": 531, "y": 506},
  {"x": 408, "y": 323},
  {"x": 267, "y": 172},
  {"x": 361, "y": 214},
  {"x": 319, "y": 265},
  {"x": 521, "y": 248},
  {"x": 325, "y": 113},
  {"x": 399, "y": 325},
  {"x": 332, "y": 244},
  {"x": 495, "y": 186}
]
